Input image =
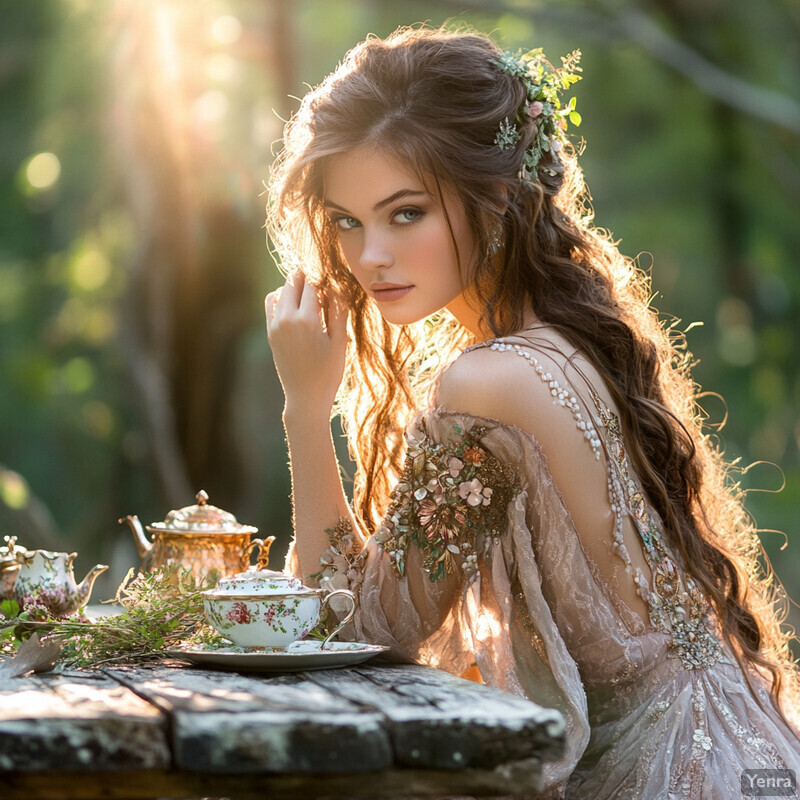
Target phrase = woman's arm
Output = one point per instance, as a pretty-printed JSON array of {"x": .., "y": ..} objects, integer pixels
[{"x": 308, "y": 340}]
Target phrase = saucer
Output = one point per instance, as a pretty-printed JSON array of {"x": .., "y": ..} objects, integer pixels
[{"x": 302, "y": 655}]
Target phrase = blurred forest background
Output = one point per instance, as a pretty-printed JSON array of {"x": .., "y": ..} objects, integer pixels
[{"x": 136, "y": 139}]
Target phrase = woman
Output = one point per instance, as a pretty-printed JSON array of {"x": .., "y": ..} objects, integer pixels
[{"x": 557, "y": 513}]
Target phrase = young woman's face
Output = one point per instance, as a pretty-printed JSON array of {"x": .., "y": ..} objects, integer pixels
[{"x": 395, "y": 236}]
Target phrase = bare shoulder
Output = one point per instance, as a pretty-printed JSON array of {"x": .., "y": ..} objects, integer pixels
[{"x": 500, "y": 385}]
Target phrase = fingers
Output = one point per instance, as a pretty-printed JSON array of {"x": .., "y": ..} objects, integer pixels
[
  {"x": 270, "y": 305},
  {"x": 284, "y": 299},
  {"x": 299, "y": 299},
  {"x": 310, "y": 305},
  {"x": 293, "y": 289}
]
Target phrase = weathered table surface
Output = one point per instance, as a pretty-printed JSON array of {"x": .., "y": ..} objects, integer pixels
[{"x": 170, "y": 731}]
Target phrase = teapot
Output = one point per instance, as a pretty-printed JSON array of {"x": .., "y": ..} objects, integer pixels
[
  {"x": 201, "y": 538},
  {"x": 268, "y": 610},
  {"x": 46, "y": 578}
]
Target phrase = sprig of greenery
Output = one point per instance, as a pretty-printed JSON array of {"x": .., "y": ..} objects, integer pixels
[{"x": 163, "y": 608}]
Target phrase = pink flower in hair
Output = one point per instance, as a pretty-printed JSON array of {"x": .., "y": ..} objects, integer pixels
[{"x": 535, "y": 109}]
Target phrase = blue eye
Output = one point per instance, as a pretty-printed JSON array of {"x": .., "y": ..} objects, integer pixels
[
  {"x": 346, "y": 223},
  {"x": 406, "y": 216}
]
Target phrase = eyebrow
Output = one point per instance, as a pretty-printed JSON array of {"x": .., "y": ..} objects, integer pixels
[{"x": 381, "y": 203}]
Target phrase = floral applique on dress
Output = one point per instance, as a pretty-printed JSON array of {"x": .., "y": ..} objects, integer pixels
[
  {"x": 342, "y": 564},
  {"x": 447, "y": 495}
]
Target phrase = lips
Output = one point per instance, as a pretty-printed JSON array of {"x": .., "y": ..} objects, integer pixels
[{"x": 387, "y": 292}]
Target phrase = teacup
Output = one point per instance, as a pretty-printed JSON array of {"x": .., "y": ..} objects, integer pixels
[{"x": 268, "y": 609}]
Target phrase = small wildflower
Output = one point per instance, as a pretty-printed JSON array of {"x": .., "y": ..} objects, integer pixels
[{"x": 535, "y": 109}]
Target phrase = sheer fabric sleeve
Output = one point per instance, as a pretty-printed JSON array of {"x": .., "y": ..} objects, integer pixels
[
  {"x": 451, "y": 574},
  {"x": 410, "y": 572}
]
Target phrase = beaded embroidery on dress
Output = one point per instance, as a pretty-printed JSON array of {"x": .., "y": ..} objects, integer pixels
[
  {"x": 480, "y": 556},
  {"x": 677, "y": 607}
]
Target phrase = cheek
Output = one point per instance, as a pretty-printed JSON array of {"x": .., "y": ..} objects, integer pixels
[
  {"x": 446, "y": 261},
  {"x": 350, "y": 255},
  {"x": 436, "y": 248}
]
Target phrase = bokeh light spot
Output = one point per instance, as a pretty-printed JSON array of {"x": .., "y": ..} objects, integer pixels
[
  {"x": 223, "y": 68},
  {"x": 43, "y": 170},
  {"x": 734, "y": 311},
  {"x": 98, "y": 419},
  {"x": 226, "y": 30},
  {"x": 99, "y": 326},
  {"x": 737, "y": 345},
  {"x": 79, "y": 320},
  {"x": 737, "y": 342},
  {"x": 13, "y": 489},
  {"x": 90, "y": 270},
  {"x": 211, "y": 106},
  {"x": 78, "y": 375}
]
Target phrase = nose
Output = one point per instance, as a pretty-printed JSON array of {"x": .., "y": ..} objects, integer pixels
[{"x": 376, "y": 252}]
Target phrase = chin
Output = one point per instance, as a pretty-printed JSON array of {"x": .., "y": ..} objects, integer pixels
[
  {"x": 398, "y": 315},
  {"x": 399, "y": 318}
]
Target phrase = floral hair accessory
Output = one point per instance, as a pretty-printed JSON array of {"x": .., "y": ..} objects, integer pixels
[{"x": 541, "y": 106}]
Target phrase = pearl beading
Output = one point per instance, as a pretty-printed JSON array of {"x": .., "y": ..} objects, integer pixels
[{"x": 561, "y": 396}]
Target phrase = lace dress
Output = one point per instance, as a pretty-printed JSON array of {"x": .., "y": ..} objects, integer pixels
[{"x": 490, "y": 550}]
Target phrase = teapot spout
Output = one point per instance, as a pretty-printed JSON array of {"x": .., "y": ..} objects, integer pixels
[
  {"x": 85, "y": 588},
  {"x": 142, "y": 543}
]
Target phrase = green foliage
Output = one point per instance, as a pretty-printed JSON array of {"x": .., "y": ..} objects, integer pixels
[{"x": 162, "y": 609}]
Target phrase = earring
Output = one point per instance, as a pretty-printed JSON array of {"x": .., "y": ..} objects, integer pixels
[{"x": 495, "y": 239}]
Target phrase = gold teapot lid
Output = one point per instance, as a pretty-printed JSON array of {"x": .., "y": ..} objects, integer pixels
[{"x": 201, "y": 518}]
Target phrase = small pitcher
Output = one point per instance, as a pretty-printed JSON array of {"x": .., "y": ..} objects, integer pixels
[
  {"x": 9, "y": 566},
  {"x": 45, "y": 578}
]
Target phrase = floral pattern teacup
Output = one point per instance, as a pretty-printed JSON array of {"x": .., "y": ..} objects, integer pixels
[{"x": 268, "y": 609}]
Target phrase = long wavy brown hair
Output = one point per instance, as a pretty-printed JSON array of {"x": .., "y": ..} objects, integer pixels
[{"x": 434, "y": 100}]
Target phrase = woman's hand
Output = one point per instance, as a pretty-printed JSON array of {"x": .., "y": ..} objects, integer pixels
[{"x": 308, "y": 340}]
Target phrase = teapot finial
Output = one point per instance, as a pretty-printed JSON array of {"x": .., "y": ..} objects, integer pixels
[{"x": 202, "y": 497}]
